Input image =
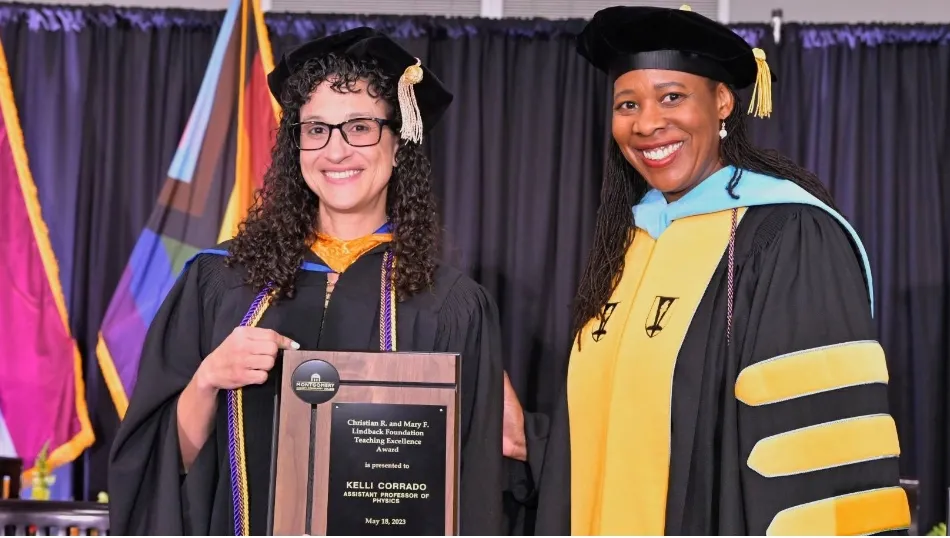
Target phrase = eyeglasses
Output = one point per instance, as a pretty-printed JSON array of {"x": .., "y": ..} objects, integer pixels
[{"x": 358, "y": 132}]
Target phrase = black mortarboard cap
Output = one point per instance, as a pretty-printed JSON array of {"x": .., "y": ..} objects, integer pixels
[
  {"x": 422, "y": 97},
  {"x": 624, "y": 38}
]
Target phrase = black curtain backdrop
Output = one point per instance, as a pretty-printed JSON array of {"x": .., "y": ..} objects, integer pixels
[{"x": 104, "y": 94}]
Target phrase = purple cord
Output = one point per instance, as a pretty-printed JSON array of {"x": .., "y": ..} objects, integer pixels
[
  {"x": 232, "y": 429},
  {"x": 386, "y": 314}
]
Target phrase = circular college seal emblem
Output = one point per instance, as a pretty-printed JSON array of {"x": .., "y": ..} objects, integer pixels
[{"x": 315, "y": 381}]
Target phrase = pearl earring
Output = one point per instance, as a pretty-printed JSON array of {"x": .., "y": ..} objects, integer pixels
[{"x": 722, "y": 131}]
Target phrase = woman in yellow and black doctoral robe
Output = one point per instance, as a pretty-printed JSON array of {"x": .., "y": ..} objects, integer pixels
[
  {"x": 725, "y": 378},
  {"x": 340, "y": 251}
]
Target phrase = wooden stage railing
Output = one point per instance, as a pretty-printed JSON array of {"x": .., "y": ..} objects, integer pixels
[{"x": 53, "y": 518}]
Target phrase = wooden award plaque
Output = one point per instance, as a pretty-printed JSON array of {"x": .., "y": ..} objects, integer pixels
[{"x": 366, "y": 443}]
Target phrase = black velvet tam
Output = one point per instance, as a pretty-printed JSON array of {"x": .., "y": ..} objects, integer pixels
[
  {"x": 621, "y": 39},
  {"x": 363, "y": 44}
]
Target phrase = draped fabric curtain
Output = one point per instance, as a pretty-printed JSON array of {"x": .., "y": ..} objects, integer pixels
[{"x": 104, "y": 94}]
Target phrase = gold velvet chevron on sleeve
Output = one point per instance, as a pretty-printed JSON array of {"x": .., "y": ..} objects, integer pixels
[
  {"x": 866, "y": 512},
  {"x": 810, "y": 372},
  {"x": 817, "y": 447},
  {"x": 807, "y": 452}
]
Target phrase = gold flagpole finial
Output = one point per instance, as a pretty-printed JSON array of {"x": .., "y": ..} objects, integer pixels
[
  {"x": 411, "y": 117},
  {"x": 761, "y": 102}
]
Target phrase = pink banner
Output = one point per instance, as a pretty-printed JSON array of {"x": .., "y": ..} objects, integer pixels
[{"x": 41, "y": 396}]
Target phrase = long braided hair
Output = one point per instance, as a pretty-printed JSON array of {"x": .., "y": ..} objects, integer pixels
[{"x": 623, "y": 187}]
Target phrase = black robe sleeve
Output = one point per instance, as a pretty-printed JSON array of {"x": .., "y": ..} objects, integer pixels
[
  {"x": 817, "y": 446},
  {"x": 469, "y": 322},
  {"x": 523, "y": 476},
  {"x": 147, "y": 486},
  {"x": 551, "y": 472}
]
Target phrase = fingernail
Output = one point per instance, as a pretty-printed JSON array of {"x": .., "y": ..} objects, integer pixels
[{"x": 294, "y": 345}]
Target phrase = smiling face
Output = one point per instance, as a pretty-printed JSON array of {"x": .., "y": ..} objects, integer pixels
[
  {"x": 347, "y": 178},
  {"x": 667, "y": 126}
]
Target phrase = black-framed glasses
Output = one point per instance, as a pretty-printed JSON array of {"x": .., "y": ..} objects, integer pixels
[{"x": 357, "y": 132}]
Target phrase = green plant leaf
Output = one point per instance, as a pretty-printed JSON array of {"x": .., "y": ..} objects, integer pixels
[{"x": 940, "y": 529}]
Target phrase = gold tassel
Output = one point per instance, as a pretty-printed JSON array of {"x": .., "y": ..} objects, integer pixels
[
  {"x": 411, "y": 117},
  {"x": 762, "y": 92}
]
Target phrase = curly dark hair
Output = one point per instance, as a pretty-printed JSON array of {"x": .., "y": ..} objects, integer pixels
[
  {"x": 623, "y": 187},
  {"x": 282, "y": 224}
]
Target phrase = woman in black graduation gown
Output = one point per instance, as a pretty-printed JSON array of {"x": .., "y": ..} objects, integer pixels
[
  {"x": 341, "y": 242},
  {"x": 725, "y": 378}
]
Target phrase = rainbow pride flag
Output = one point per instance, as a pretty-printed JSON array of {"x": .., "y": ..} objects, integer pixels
[
  {"x": 210, "y": 186},
  {"x": 42, "y": 394}
]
